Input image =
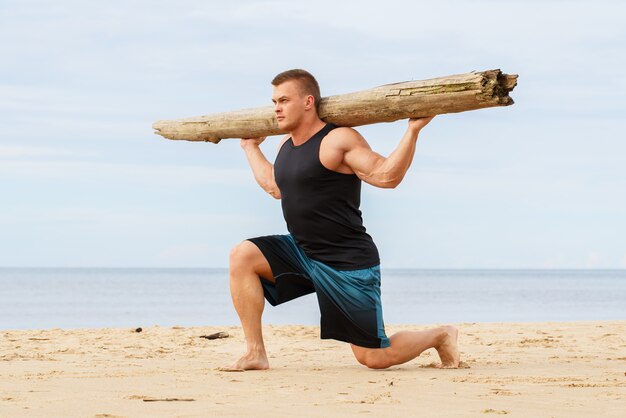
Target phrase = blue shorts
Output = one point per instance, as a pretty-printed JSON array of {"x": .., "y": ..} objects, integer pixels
[{"x": 349, "y": 300}]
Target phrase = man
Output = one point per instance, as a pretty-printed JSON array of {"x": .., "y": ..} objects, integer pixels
[{"x": 318, "y": 174}]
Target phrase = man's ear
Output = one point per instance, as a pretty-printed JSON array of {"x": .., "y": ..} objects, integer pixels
[{"x": 310, "y": 102}]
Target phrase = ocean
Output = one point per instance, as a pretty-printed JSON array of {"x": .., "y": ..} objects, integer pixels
[{"x": 40, "y": 298}]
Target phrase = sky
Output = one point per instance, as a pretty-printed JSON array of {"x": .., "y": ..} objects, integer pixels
[{"x": 84, "y": 181}]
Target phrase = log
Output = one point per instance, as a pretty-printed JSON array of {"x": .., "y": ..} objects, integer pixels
[{"x": 388, "y": 103}]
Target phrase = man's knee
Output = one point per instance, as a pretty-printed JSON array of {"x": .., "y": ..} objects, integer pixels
[
  {"x": 242, "y": 253},
  {"x": 378, "y": 362},
  {"x": 375, "y": 358},
  {"x": 246, "y": 257}
]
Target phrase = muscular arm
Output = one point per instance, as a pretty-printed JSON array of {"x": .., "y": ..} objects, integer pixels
[
  {"x": 377, "y": 170},
  {"x": 262, "y": 169}
]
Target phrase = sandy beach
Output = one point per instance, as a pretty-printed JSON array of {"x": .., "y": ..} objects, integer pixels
[{"x": 572, "y": 369}]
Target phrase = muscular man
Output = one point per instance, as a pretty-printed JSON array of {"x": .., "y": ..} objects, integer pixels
[{"x": 317, "y": 175}]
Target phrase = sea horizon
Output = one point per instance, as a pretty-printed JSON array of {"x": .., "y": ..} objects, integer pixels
[
  {"x": 383, "y": 268},
  {"x": 100, "y": 297}
]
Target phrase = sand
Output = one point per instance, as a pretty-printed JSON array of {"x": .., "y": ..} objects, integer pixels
[{"x": 574, "y": 369}]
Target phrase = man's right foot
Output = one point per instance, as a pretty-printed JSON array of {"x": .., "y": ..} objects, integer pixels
[
  {"x": 248, "y": 362},
  {"x": 448, "y": 349}
]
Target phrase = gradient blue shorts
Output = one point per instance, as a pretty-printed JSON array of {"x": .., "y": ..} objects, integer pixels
[{"x": 349, "y": 300}]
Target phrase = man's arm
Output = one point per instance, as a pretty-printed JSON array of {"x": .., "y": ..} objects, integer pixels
[
  {"x": 377, "y": 170},
  {"x": 262, "y": 169}
]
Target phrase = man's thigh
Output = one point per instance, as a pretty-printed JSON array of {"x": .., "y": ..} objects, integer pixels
[{"x": 288, "y": 276}]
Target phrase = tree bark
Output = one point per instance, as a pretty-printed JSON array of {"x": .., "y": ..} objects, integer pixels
[{"x": 388, "y": 103}]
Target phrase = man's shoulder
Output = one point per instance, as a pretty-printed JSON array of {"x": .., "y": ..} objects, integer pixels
[
  {"x": 343, "y": 131},
  {"x": 345, "y": 137}
]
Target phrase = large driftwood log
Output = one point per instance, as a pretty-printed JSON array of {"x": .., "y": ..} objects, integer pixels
[{"x": 388, "y": 103}]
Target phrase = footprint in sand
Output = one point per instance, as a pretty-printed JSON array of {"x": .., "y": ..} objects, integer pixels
[
  {"x": 107, "y": 416},
  {"x": 462, "y": 365},
  {"x": 493, "y": 411},
  {"x": 154, "y": 399}
]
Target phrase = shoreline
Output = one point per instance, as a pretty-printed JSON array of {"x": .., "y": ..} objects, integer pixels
[
  {"x": 569, "y": 369},
  {"x": 394, "y": 326}
]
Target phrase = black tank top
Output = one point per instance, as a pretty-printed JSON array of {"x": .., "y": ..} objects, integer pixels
[{"x": 321, "y": 207}]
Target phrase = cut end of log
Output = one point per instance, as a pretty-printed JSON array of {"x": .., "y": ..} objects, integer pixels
[
  {"x": 497, "y": 86},
  {"x": 506, "y": 84}
]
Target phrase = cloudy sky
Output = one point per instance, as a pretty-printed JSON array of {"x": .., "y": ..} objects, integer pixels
[{"x": 85, "y": 182}]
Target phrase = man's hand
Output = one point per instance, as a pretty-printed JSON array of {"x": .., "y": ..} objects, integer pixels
[
  {"x": 252, "y": 142},
  {"x": 417, "y": 124}
]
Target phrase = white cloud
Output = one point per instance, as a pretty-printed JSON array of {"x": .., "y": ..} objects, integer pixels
[
  {"x": 185, "y": 253},
  {"x": 26, "y": 152},
  {"x": 122, "y": 216},
  {"x": 128, "y": 173},
  {"x": 52, "y": 101},
  {"x": 594, "y": 260},
  {"x": 555, "y": 262}
]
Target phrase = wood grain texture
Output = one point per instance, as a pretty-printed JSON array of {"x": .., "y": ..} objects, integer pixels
[{"x": 388, "y": 103}]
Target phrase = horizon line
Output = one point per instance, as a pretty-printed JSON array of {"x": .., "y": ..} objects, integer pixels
[{"x": 383, "y": 268}]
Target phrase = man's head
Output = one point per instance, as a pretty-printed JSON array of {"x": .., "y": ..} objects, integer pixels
[
  {"x": 305, "y": 81},
  {"x": 296, "y": 95}
]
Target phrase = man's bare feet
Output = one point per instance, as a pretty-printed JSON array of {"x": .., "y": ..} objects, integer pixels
[
  {"x": 249, "y": 361},
  {"x": 448, "y": 349}
]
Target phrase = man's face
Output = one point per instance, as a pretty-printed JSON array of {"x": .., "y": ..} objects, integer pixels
[{"x": 290, "y": 105}]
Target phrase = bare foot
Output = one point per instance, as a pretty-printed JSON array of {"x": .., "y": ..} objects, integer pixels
[
  {"x": 448, "y": 349},
  {"x": 249, "y": 361}
]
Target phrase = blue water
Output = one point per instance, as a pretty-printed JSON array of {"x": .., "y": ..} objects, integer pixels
[{"x": 80, "y": 298}]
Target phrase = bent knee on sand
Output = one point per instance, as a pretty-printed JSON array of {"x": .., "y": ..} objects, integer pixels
[
  {"x": 373, "y": 358},
  {"x": 377, "y": 363}
]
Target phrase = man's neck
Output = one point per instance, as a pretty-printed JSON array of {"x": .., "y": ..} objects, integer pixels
[{"x": 306, "y": 130}]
